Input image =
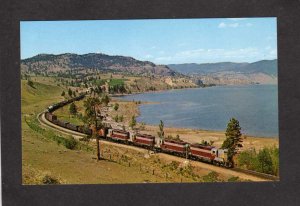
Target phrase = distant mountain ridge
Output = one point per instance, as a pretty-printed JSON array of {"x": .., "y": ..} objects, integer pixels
[
  {"x": 222, "y": 73},
  {"x": 268, "y": 67},
  {"x": 68, "y": 62}
]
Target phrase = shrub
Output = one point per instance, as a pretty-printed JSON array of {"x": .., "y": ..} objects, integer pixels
[
  {"x": 48, "y": 180},
  {"x": 70, "y": 143},
  {"x": 211, "y": 177},
  {"x": 233, "y": 179},
  {"x": 30, "y": 83},
  {"x": 116, "y": 106}
]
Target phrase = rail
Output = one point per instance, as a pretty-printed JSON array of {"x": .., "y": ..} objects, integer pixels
[{"x": 257, "y": 174}]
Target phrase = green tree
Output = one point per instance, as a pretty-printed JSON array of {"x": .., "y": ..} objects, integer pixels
[
  {"x": 265, "y": 161},
  {"x": 105, "y": 100},
  {"x": 161, "y": 133},
  {"x": 132, "y": 123},
  {"x": 74, "y": 94},
  {"x": 233, "y": 138},
  {"x": 91, "y": 119},
  {"x": 63, "y": 93},
  {"x": 73, "y": 108},
  {"x": 70, "y": 92}
]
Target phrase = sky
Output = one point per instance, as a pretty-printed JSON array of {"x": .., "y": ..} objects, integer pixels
[{"x": 163, "y": 41}]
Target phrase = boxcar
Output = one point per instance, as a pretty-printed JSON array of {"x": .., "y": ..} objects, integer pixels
[
  {"x": 50, "y": 117},
  {"x": 72, "y": 127},
  {"x": 84, "y": 129},
  {"x": 62, "y": 123}
]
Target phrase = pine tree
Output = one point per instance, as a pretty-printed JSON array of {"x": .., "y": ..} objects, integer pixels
[
  {"x": 161, "y": 133},
  {"x": 91, "y": 119},
  {"x": 70, "y": 92},
  {"x": 63, "y": 93},
  {"x": 73, "y": 108},
  {"x": 132, "y": 123},
  {"x": 233, "y": 138}
]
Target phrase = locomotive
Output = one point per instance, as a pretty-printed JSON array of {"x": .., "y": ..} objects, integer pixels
[{"x": 180, "y": 148}]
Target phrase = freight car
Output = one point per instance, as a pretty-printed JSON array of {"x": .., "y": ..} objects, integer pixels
[
  {"x": 84, "y": 130},
  {"x": 62, "y": 123},
  {"x": 50, "y": 117},
  {"x": 72, "y": 127},
  {"x": 54, "y": 107}
]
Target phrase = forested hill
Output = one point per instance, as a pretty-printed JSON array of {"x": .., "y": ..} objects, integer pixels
[
  {"x": 70, "y": 62},
  {"x": 268, "y": 67}
]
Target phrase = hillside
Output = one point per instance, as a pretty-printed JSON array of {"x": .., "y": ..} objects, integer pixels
[
  {"x": 73, "y": 62},
  {"x": 229, "y": 73},
  {"x": 268, "y": 67}
]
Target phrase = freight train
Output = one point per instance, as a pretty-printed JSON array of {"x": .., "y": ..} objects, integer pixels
[
  {"x": 180, "y": 148},
  {"x": 54, "y": 107}
]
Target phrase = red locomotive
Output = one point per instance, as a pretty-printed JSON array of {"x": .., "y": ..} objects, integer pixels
[
  {"x": 118, "y": 135},
  {"x": 144, "y": 140},
  {"x": 175, "y": 147}
]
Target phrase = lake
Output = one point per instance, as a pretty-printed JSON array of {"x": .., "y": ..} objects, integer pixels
[{"x": 255, "y": 106}]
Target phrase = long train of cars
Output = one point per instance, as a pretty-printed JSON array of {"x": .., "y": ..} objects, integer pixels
[{"x": 198, "y": 152}]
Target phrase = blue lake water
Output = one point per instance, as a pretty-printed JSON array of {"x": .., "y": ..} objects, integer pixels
[{"x": 255, "y": 106}]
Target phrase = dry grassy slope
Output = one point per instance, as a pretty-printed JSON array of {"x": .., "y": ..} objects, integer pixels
[{"x": 144, "y": 84}]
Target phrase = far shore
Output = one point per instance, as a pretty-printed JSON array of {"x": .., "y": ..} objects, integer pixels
[{"x": 196, "y": 87}]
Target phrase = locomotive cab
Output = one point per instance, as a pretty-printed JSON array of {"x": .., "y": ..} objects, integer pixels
[{"x": 221, "y": 156}]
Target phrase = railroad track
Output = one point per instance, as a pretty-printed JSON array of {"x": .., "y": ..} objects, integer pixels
[
  {"x": 43, "y": 121},
  {"x": 257, "y": 174},
  {"x": 41, "y": 118}
]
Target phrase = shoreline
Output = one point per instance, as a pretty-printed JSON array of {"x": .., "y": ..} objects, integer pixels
[{"x": 197, "y": 87}]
